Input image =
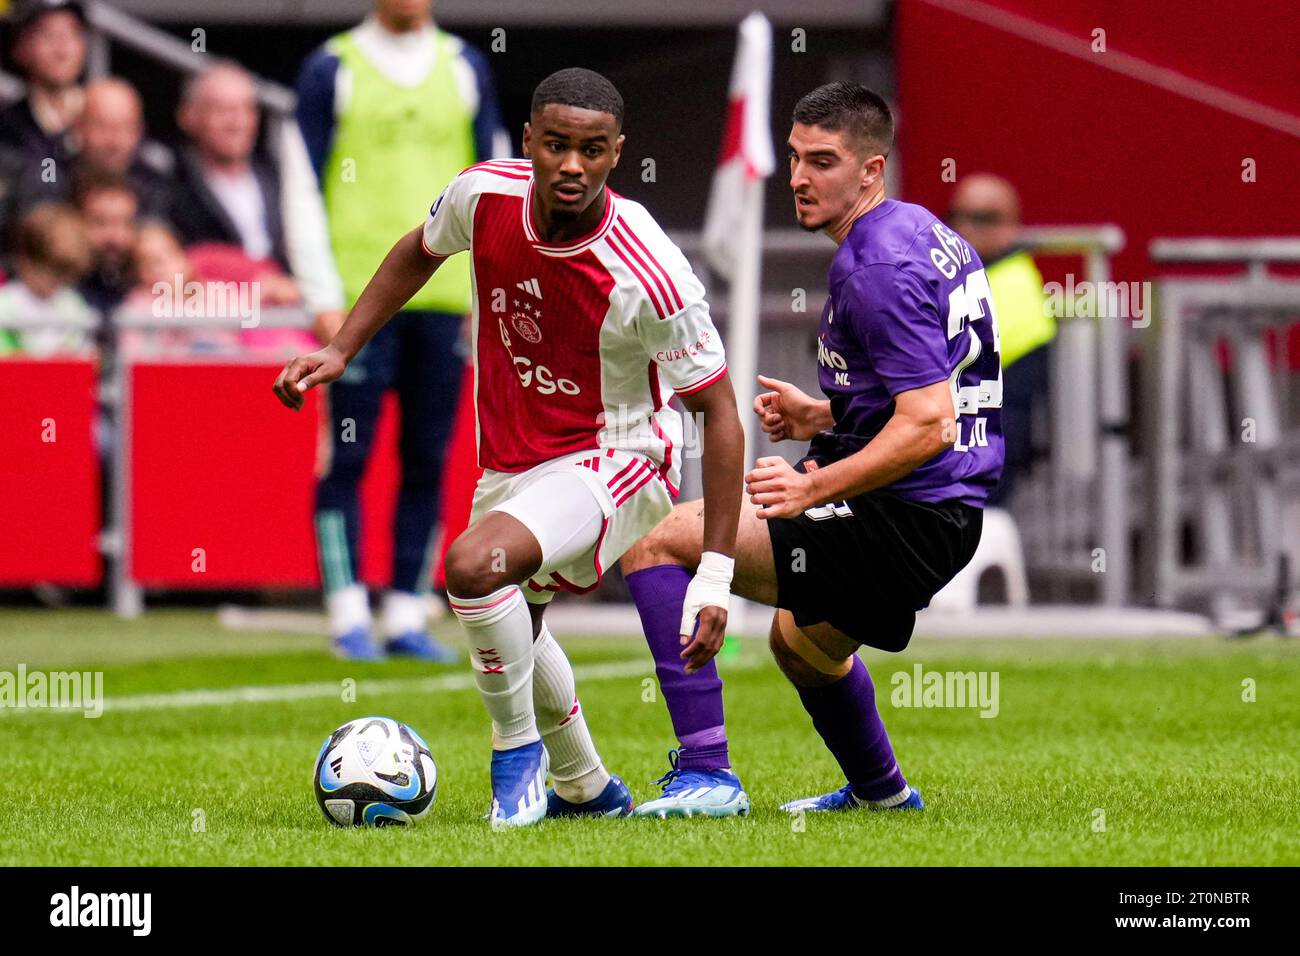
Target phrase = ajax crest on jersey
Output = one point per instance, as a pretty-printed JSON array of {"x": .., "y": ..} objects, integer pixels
[
  {"x": 527, "y": 328},
  {"x": 375, "y": 771}
]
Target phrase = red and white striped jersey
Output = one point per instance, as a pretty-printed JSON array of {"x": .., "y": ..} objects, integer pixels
[{"x": 577, "y": 345}]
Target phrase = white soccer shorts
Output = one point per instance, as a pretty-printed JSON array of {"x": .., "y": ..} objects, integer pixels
[{"x": 585, "y": 510}]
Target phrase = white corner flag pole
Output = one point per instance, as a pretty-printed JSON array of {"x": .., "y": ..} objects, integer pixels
[
  {"x": 744, "y": 309},
  {"x": 733, "y": 229}
]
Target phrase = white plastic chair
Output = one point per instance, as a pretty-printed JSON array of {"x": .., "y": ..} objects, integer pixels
[{"x": 999, "y": 548}]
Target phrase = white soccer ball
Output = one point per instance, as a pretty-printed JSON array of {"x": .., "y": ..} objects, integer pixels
[{"x": 375, "y": 771}]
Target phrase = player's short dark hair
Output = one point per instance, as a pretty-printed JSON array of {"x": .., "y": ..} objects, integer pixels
[
  {"x": 584, "y": 89},
  {"x": 863, "y": 116}
]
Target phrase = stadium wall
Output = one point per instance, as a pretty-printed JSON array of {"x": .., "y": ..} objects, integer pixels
[{"x": 1101, "y": 136}]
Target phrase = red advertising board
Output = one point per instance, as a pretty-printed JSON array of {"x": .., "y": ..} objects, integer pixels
[
  {"x": 49, "y": 474},
  {"x": 222, "y": 480}
]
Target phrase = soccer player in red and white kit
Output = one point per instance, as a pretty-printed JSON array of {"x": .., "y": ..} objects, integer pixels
[{"x": 586, "y": 320}]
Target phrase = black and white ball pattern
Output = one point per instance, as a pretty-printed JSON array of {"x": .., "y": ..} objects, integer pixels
[{"x": 375, "y": 771}]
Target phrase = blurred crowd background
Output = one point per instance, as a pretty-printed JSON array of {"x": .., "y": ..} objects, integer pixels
[
  {"x": 144, "y": 159},
  {"x": 95, "y": 215}
]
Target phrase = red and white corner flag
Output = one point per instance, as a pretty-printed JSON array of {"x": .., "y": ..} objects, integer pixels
[{"x": 747, "y": 158}]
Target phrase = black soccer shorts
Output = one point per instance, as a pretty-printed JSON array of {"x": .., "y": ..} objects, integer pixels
[{"x": 867, "y": 565}]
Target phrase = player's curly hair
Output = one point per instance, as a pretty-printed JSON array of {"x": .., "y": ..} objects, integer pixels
[
  {"x": 585, "y": 89},
  {"x": 851, "y": 109}
]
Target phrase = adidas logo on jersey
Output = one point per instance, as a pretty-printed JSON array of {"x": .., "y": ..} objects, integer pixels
[{"x": 531, "y": 286}]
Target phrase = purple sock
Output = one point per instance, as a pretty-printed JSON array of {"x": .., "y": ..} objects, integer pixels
[
  {"x": 694, "y": 700},
  {"x": 845, "y": 715}
]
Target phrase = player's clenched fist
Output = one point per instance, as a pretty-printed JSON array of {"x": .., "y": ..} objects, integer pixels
[
  {"x": 788, "y": 412},
  {"x": 307, "y": 371},
  {"x": 779, "y": 490}
]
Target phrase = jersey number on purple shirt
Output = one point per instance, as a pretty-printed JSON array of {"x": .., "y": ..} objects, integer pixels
[{"x": 969, "y": 303}]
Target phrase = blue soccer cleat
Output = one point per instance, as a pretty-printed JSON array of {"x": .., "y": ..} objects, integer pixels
[
  {"x": 355, "y": 644},
  {"x": 696, "y": 793},
  {"x": 844, "y": 799},
  {"x": 614, "y": 801},
  {"x": 518, "y": 786},
  {"x": 422, "y": 646}
]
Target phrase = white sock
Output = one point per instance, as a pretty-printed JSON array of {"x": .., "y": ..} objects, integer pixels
[
  {"x": 500, "y": 633},
  {"x": 348, "y": 607},
  {"x": 576, "y": 770},
  {"x": 404, "y": 612}
]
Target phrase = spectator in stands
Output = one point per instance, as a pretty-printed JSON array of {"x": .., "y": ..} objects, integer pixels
[
  {"x": 165, "y": 274},
  {"x": 52, "y": 254},
  {"x": 165, "y": 271},
  {"x": 217, "y": 262},
  {"x": 108, "y": 136},
  {"x": 229, "y": 193},
  {"x": 985, "y": 209},
  {"x": 49, "y": 49},
  {"x": 220, "y": 262},
  {"x": 225, "y": 191},
  {"x": 108, "y": 205},
  {"x": 390, "y": 111}
]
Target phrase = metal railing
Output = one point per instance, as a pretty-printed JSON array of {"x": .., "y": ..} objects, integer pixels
[
  {"x": 1072, "y": 507},
  {"x": 1080, "y": 504},
  {"x": 1224, "y": 451},
  {"x": 127, "y": 596},
  {"x": 1080, "y": 501}
]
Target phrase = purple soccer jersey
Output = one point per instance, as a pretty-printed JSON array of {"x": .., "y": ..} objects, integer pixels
[{"x": 910, "y": 306}]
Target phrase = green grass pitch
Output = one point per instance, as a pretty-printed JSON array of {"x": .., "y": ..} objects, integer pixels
[{"x": 1150, "y": 738}]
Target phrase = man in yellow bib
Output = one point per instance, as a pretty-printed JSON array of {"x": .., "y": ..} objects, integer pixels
[
  {"x": 985, "y": 210},
  {"x": 391, "y": 111}
]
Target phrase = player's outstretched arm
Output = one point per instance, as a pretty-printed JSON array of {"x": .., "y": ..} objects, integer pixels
[
  {"x": 789, "y": 412},
  {"x": 404, "y": 271},
  {"x": 920, "y": 428},
  {"x": 723, "y": 463}
]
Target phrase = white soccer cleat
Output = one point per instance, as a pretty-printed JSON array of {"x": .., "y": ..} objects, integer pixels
[{"x": 696, "y": 793}]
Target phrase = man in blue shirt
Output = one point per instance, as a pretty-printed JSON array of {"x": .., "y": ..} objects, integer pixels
[{"x": 390, "y": 111}]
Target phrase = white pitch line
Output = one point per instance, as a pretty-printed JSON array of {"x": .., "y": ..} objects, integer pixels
[{"x": 276, "y": 693}]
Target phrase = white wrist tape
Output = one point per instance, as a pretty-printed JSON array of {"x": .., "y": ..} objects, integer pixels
[{"x": 711, "y": 587}]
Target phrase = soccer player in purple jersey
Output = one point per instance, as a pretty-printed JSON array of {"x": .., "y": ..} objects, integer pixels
[{"x": 886, "y": 506}]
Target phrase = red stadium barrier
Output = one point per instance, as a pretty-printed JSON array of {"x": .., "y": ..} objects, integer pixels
[
  {"x": 218, "y": 465},
  {"x": 49, "y": 478},
  {"x": 1058, "y": 125},
  {"x": 220, "y": 478}
]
